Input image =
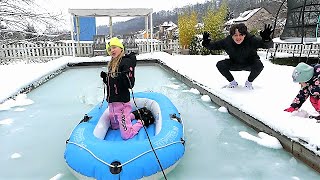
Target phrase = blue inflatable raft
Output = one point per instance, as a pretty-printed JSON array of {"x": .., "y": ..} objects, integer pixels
[{"x": 94, "y": 151}]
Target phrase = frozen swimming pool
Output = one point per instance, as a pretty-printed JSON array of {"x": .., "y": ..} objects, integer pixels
[{"x": 214, "y": 149}]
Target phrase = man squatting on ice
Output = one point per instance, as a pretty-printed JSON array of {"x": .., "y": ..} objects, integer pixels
[
  {"x": 119, "y": 79},
  {"x": 241, "y": 47},
  {"x": 309, "y": 79}
]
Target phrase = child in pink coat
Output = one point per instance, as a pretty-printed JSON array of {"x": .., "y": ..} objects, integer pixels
[{"x": 309, "y": 79}]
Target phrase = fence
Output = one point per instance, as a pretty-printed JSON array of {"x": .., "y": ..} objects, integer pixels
[
  {"x": 297, "y": 49},
  {"x": 48, "y": 51},
  {"x": 33, "y": 51},
  {"x": 171, "y": 46},
  {"x": 43, "y": 51}
]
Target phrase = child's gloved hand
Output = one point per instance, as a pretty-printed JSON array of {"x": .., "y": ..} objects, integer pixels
[
  {"x": 103, "y": 74},
  {"x": 147, "y": 120},
  {"x": 146, "y": 116},
  {"x": 290, "y": 109}
]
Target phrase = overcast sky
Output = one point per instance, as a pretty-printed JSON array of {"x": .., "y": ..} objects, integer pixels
[{"x": 157, "y": 5}]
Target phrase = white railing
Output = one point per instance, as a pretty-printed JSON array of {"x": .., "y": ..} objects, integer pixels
[
  {"x": 54, "y": 50},
  {"x": 171, "y": 46},
  {"x": 43, "y": 50},
  {"x": 311, "y": 49},
  {"x": 296, "y": 49},
  {"x": 48, "y": 51}
]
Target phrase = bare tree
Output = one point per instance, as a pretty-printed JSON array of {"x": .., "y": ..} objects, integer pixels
[{"x": 17, "y": 16}]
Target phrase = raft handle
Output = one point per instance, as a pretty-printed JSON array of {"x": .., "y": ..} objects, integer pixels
[
  {"x": 174, "y": 116},
  {"x": 86, "y": 118},
  {"x": 183, "y": 141},
  {"x": 116, "y": 168}
]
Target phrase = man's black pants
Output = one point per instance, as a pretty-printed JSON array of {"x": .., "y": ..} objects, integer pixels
[{"x": 225, "y": 66}]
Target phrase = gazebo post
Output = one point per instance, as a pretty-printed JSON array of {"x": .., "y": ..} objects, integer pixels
[
  {"x": 110, "y": 26},
  {"x": 72, "y": 36},
  {"x": 146, "y": 19},
  {"x": 78, "y": 35},
  {"x": 151, "y": 32}
]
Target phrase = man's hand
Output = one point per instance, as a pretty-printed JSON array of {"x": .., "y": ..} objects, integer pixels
[
  {"x": 206, "y": 38},
  {"x": 266, "y": 33}
]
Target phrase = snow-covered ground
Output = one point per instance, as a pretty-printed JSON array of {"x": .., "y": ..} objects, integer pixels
[{"x": 273, "y": 91}]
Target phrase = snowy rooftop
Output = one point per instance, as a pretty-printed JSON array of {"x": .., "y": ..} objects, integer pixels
[
  {"x": 168, "y": 24},
  {"x": 172, "y": 27},
  {"x": 243, "y": 16}
]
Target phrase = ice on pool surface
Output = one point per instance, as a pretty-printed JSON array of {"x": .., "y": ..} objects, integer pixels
[{"x": 214, "y": 148}]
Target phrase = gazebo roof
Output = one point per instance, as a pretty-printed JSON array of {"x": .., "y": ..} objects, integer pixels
[
  {"x": 111, "y": 12},
  {"x": 130, "y": 12}
]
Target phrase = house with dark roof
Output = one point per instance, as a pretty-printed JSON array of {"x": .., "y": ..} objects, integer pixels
[
  {"x": 167, "y": 30},
  {"x": 254, "y": 19}
]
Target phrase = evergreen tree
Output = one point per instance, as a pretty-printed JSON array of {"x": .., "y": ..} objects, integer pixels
[{"x": 195, "y": 46}]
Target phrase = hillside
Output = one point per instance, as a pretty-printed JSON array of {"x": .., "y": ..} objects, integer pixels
[{"x": 235, "y": 7}]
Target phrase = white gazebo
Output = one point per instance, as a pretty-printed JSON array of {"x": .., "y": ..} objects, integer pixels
[{"x": 147, "y": 12}]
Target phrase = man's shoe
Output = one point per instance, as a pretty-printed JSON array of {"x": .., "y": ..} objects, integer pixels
[
  {"x": 249, "y": 85},
  {"x": 232, "y": 84}
]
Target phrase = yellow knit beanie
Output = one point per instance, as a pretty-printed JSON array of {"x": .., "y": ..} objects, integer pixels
[{"x": 114, "y": 42}]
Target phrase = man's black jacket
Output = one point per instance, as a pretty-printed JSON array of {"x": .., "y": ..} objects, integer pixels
[{"x": 244, "y": 53}]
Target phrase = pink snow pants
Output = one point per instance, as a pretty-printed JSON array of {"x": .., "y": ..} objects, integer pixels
[
  {"x": 120, "y": 116},
  {"x": 315, "y": 103}
]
